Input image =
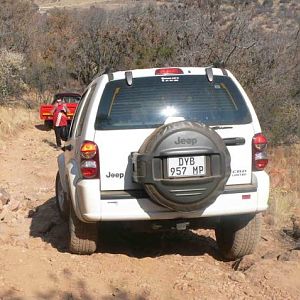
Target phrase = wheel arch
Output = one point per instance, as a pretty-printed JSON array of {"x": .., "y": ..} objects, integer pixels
[
  {"x": 72, "y": 177},
  {"x": 62, "y": 171}
]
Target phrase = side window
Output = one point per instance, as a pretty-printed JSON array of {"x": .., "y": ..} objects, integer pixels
[
  {"x": 84, "y": 110},
  {"x": 77, "y": 113}
]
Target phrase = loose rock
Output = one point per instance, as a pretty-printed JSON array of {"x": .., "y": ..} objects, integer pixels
[
  {"x": 238, "y": 276},
  {"x": 292, "y": 255},
  {"x": 296, "y": 227},
  {"x": 270, "y": 255},
  {"x": 3, "y": 213},
  {"x": 14, "y": 205},
  {"x": 4, "y": 196},
  {"x": 244, "y": 263}
]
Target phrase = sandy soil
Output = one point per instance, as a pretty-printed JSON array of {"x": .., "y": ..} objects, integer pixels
[{"x": 35, "y": 263}]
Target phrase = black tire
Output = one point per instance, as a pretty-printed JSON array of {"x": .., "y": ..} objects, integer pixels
[
  {"x": 48, "y": 124},
  {"x": 83, "y": 236},
  {"x": 62, "y": 199},
  {"x": 238, "y": 236},
  {"x": 185, "y": 193}
]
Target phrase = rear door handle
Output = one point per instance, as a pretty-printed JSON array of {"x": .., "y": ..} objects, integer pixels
[{"x": 236, "y": 141}]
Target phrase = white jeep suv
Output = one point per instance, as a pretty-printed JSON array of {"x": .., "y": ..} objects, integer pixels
[{"x": 177, "y": 147}]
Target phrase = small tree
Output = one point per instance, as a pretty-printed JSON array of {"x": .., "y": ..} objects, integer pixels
[{"x": 11, "y": 68}]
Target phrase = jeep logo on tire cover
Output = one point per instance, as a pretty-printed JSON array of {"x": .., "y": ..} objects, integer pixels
[{"x": 184, "y": 141}]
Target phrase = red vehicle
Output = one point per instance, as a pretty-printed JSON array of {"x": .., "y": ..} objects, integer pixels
[{"x": 71, "y": 100}]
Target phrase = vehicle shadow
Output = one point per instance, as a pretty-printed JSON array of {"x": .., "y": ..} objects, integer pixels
[
  {"x": 48, "y": 225},
  {"x": 42, "y": 127},
  {"x": 155, "y": 244}
]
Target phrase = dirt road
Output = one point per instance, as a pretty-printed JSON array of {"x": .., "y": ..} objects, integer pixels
[{"x": 35, "y": 264}]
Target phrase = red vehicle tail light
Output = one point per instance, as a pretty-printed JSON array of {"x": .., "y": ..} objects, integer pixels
[
  {"x": 89, "y": 164},
  {"x": 259, "y": 152},
  {"x": 88, "y": 150},
  {"x": 168, "y": 71}
]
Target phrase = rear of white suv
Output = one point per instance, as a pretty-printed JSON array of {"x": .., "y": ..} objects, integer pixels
[{"x": 179, "y": 144}]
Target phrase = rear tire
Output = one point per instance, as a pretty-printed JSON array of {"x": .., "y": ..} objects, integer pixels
[
  {"x": 83, "y": 236},
  {"x": 48, "y": 124},
  {"x": 238, "y": 236},
  {"x": 62, "y": 200}
]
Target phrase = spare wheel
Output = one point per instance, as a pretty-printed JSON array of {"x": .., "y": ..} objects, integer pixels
[{"x": 183, "y": 166}]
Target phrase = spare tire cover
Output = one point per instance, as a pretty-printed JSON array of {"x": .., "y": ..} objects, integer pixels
[{"x": 183, "y": 139}]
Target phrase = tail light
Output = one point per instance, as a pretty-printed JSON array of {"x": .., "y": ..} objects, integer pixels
[
  {"x": 168, "y": 71},
  {"x": 89, "y": 160},
  {"x": 259, "y": 152}
]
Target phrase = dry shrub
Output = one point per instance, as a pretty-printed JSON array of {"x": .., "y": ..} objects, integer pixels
[
  {"x": 14, "y": 119},
  {"x": 285, "y": 179},
  {"x": 11, "y": 66}
]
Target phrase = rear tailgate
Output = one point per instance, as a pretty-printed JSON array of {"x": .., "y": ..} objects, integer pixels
[
  {"x": 116, "y": 146},
  {"x": 241, "y": 155},
  {"x": 126, "y": 110}
]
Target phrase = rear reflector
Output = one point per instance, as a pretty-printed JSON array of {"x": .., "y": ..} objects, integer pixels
[
  {"x": 89, "y": 168},
  {"x": 261, "y": 164},
  {"x": 246, "y": 197},
  {"x": 260, "y": 158},
  {"x": 89, "y": 164},
  {"x": 260, "y": 142},
  {"x": 88, "y": 150},
  {"x": 168, "y": 71}
]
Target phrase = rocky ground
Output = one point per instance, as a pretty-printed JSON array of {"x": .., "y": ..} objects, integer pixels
[{"x": 35, "y": 263}]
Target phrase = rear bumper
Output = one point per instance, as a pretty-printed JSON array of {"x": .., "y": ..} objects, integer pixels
[{"x": 121, "y": 206}]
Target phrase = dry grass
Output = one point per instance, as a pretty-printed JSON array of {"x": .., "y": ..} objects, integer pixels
[
  {"x": 45, "y": 5},
  {"x": 285, "y": 180},
  {"x": 14, "y": 119}
]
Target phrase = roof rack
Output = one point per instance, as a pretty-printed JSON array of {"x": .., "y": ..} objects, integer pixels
[
  {"x": 109, "y": 73},
  {"x": 221, "y": 65},
  {"x": 129, "y": 78},
  {"x": 209, "y": 74}
]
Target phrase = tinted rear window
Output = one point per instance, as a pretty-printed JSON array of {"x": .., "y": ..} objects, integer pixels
[
  {"x": 151, "y": 100},
  {"x": 68, "y": 99}
]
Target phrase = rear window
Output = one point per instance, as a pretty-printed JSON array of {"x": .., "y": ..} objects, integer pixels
[
  {"x": 151, "y": 100},
  {"x": 68, "y": 99}
]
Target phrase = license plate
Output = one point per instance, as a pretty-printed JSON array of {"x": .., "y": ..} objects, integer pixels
[{"x": 186, "y": 166}]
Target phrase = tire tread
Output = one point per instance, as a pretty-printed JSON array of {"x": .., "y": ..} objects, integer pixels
[
  {"x": 83, "y": 236},
  {"x": 238, "y": 238}
]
